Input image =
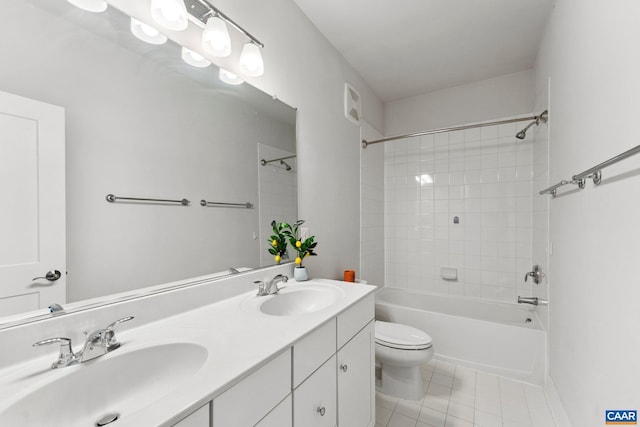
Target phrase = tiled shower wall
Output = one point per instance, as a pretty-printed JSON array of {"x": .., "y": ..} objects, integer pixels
[{"x": 464, "y": 200}]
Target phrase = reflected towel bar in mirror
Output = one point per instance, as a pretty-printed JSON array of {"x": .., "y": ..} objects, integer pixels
[
  {"x": 247, "y": 205},
  {"x": 111, "y": 199}
]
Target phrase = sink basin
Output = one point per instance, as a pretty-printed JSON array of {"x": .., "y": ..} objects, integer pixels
[
  {"x": 301, "y": 299},
  {"x": 112, "y": 384}
]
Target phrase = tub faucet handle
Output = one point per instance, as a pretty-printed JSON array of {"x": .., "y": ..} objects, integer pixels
[{"x": 536, "y": 274}]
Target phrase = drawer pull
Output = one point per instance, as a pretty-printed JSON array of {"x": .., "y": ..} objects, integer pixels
[
  {"x": 321, "y": 410},
  {"x": 344, "y": 367}
]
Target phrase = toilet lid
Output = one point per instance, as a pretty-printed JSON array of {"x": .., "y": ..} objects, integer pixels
[{"x": 401, "y": 336}]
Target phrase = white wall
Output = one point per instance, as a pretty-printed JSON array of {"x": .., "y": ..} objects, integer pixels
[
  {"x": 503, "y": 96},
  {"x": 590, "y": 52}
]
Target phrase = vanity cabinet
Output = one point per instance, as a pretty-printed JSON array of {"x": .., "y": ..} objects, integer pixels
[
  {"x": 325, "y": 379},
  {"x": 346, "y": 379}
]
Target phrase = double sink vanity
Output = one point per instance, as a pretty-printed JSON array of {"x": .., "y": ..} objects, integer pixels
[{"x": 220, "y": 356}]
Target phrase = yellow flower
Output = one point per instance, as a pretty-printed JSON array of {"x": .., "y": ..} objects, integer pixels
[
  {"x": 298, "y": 244},
  {"x": 306, "y": 254},
  {"x": 277, "y": 258},
  {"x": 274, "y": 243},
  {"x": 298, "y": 261}
]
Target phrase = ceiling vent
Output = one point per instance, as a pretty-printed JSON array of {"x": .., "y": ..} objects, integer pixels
[{"x": 352, "y": 104}]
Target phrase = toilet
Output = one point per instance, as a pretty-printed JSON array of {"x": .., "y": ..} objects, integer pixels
[{"x": 400, "y": 350}]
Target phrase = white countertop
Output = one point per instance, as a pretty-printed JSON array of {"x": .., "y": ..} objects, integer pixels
[{"x": 237, "y": 336}]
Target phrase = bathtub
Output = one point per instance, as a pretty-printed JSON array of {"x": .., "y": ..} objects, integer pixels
[{"x": 501, "y": 338}]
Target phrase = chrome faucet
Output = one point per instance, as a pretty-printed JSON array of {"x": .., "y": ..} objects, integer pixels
[
  {"x": 98, "y": 343},
  {"x": 270, "y": 287},
  {"x": 532, "y": 301}
]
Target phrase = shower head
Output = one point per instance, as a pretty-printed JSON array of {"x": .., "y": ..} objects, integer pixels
[
  {"x": 286, "y": 166},
  {"x": 542, "y": 117}
]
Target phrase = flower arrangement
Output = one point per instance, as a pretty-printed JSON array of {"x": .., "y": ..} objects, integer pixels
[
  {"x": 278, "y": 241},
  {"x": 303, "y": 248}
]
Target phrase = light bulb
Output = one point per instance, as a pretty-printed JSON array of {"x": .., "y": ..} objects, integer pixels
[
  {"x": 147, "y": 33},
  {"x": 194, "y": 58},
  {"x": 229, "y": 78},
  {"x": 90, "y": 5},
  {"x": 215, "y": 37},
  {"x": 251, "y": 62},
  {"x": 170, "y": 14}
]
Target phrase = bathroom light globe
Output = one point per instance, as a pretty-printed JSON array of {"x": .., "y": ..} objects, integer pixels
[
  {"x": 229, "y": 78},
  {"x": 170, "y": 14},
  {"x": 215, "y": 37},
  {"x": 194, "y": 58},
  {"x": 251, "y": 62},
  {"x": 90, "y": 5},
  {"x": 147, "y": 33}
]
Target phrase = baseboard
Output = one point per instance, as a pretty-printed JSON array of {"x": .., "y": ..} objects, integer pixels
[{"x": 557, "y": 408}]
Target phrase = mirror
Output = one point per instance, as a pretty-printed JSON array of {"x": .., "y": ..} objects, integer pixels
[{"x": 142, "y": 123}]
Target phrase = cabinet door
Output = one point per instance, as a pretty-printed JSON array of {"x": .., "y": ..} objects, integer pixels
[
  {"x": 199, "y": 418},
  {"x": 314, "y": 401},
  {"x": 356, "y": 386},
  {"x": 280, "y": 416}
]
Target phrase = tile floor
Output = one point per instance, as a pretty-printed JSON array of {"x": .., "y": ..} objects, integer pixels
[{"x": 457, "y": 396}]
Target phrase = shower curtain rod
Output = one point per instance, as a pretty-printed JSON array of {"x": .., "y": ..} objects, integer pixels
[{"x": 366, "y": 143}]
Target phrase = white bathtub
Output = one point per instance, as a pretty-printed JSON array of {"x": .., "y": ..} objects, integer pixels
[{"x": 501, "y": 338}]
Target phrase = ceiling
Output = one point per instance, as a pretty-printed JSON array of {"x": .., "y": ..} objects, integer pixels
[{"x": 404, "y": 48}]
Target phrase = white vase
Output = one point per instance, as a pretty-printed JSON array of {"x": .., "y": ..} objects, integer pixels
[{"x": 300, "y": 274}]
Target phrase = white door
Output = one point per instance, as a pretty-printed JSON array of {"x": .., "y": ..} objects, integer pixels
[{"x": 32, "y": 205}]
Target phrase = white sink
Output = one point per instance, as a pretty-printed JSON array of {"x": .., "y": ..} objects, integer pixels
[
  {"x": 113, "y": 384},
  {"x": 301, "y": 299}
]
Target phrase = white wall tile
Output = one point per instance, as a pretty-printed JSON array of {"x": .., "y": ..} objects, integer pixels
[{"x": 481, "y": 175}]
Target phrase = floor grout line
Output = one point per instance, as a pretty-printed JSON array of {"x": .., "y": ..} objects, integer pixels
[{"x": 495, "y": 386}]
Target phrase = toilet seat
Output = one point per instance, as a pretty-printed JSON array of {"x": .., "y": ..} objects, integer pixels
[{"x": 402, "y": 337}]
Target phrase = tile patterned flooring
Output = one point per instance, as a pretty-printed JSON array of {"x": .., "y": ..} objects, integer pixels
[{"x": 457, "y": 396}]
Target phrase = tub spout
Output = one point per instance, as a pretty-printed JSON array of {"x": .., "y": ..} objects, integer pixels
[{"x": 532, "y": 301}]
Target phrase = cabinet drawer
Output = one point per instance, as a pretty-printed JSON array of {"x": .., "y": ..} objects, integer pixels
[
  {"x": 314, "y": 402},
  {"x": 198, "y": 418},
  {"x": 281, "y": 416},
  {"x": 313, "y": 350},
  {"x": 247, "y": 402},
  {"x": 355, "y": 318}
]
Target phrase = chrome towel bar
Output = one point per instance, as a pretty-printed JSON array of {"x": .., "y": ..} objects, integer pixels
[
  {"x": 111, "y": 199},
  {"x": 594, "y": 173},
  {"x": 228, "y": 205}
]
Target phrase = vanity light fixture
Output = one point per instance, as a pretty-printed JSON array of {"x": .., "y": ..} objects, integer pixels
[
  {"x": 147, "y": 33},
  {"x": 194, "y": 58},
  {"x": 251, "y": 62},
  {"x": 215, "y": 37},
  {"x": 90, "y": 5},
  {"x": 216, "y": 40},
  {"x": 229, "y": 78},
  {"x": 170, "y": 14}
]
